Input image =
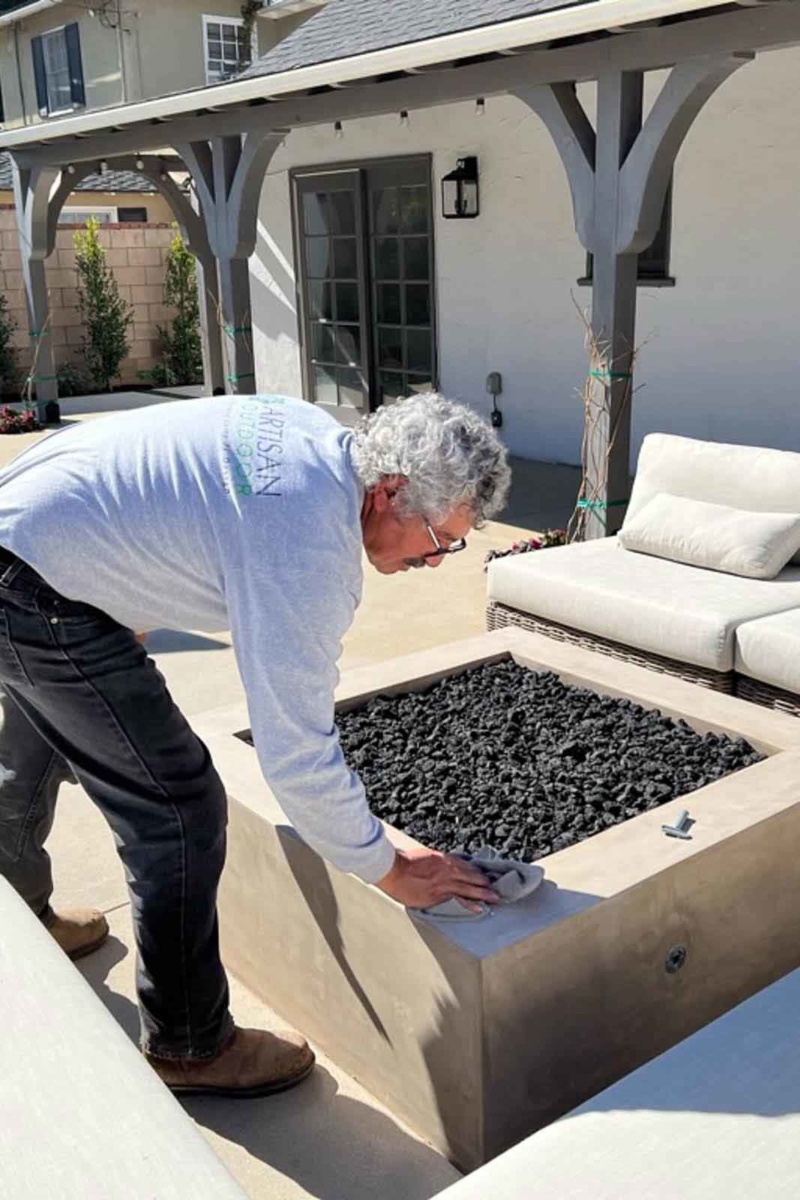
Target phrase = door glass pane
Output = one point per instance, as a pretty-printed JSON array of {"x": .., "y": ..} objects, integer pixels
[
  {"x": 347, "y": 306},
  {"x": 388, "y": 303},
  {"x": 415, "y": 384},
  {"x": 348, "y": 344},
  {"x": 415, "y": 257},
  {"x": 386, "y": 211},
  {"x": 418, "y": 349},
  {"x": 315, "y": 212},
  {"x": 351, "y": 389},
  {"x": 324, "y": 382},
  {"x": 387, "y": 258},
  {"x": 345, "y": 258},
  {"x": 414, "y": 209},
  {"x": 322, "y": 343},
  {"x": 318, "y": 257},
  {"x": 342, "y": 212},
  {"x": 392, "y": 386},
  {"x": 319, "y": 300},
  {"x": 418, "y": 304},
  {"x": 390, "y": 348}
]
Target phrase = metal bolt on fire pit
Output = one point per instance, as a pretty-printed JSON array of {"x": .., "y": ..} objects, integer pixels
[{"x": 679, "y": 829}]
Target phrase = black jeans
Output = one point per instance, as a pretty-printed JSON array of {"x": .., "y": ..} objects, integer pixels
[{"x": 90, "y": 694}]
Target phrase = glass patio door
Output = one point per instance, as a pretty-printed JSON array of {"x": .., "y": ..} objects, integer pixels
[{"x": 365, "y": 252}]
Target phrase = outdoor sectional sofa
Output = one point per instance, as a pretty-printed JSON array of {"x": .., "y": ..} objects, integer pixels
[{"x": 723, "y": 630}]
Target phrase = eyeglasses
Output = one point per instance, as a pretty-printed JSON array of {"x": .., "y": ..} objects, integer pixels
[{"x": 453, "y": 548}]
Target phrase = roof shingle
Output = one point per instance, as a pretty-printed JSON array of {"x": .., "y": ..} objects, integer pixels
[
  {"x": 350, "y": 27},
  {"x": 111, "y": 181}
]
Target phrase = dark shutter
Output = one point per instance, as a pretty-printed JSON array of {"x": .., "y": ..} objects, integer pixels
[
  {"x": 73, "y": 40},
  {"x": 40, "y": 76}
]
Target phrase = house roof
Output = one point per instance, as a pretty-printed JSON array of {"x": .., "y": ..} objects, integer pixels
[
  {"x": 350, "y": 27},
  {"x": 111, "y": 181}
]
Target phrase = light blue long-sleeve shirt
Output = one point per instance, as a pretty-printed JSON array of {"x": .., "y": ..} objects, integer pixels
[{"x": 239, "y": 513}]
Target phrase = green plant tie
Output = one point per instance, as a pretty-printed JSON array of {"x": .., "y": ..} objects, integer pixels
[
  {"x": 611, "y": 375},
  {"x": 246, "y": 375},
  {"x": 36, "y": 333},
  {"x": 601, "y": 504},
  {"x": 232, "y": 330},
  {"x": 39, "y": 378}
]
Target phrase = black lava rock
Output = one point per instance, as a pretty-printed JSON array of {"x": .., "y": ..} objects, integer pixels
[{"x": 517, "y": 760}]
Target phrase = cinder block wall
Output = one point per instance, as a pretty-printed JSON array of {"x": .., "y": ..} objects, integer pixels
[{"x": 136, "y": 254}]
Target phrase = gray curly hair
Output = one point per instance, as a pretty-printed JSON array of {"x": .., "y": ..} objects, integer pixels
[{"x": 448, "y": 454}]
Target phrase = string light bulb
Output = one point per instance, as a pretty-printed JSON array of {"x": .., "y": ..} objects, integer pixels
[
  {"x": 404, "y": 118},
  {"x": 338, "y": 130},
  {"x": 480, "y": 107},
  {"x": 103, "y": 166},
  {"x": 140, "y": 164}
]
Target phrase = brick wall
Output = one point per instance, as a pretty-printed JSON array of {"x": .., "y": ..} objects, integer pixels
[{"x": 137, "y": 256}]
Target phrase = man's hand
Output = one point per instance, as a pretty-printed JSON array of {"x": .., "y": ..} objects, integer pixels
[
  {"x": 422, "y": 878},
  {"x": 140, "y": 637}
]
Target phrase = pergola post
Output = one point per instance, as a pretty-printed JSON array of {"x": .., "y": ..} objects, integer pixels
[
  {"x": 228, "y": 174},
  {"x": 33, "y": 188},
  {"x": 618, "y": 176}
]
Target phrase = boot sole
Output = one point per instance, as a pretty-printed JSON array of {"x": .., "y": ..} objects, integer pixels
[{"x": 240, "y": 1093}]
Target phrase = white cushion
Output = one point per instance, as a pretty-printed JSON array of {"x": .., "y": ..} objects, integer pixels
[
  {"x": 714, "y": 536},
  {"x": 748, "y": 477},
  {"x": 769, "y": 650},
  {"x": 655, "y": 605},
  {"x": 83, "y": 1116},
  {"x": 717, "y": 1115}
]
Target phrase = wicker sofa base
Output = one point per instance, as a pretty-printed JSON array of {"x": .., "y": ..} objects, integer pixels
[
  {"x": 500, "y": 615},
  {"x": 766, "y": 695}
]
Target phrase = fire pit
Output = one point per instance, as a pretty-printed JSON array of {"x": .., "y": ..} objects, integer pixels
[
  {"x": 518, "y": 760},
  {"x": 478, "y": 1033}
]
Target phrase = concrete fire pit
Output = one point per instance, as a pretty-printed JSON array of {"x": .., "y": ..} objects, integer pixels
[{"x": 477, "y": 1034}]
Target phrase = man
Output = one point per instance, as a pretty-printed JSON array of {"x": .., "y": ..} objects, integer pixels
[{"x": 248, "y": 513}]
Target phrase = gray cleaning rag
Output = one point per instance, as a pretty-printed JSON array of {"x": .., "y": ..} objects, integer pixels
[{"x": 511, "y": 879}]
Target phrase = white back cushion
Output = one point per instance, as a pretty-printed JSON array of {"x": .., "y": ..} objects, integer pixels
[{"x": 749, "y": 477}]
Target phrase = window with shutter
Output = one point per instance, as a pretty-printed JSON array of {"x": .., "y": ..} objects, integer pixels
[{"x": 58, "y": 70}]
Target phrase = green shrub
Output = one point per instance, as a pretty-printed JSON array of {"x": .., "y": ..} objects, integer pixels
[
  {"x": 180, "y": 342},
  {"x": 9, "y": 365},
  {"x": 105, "y": 315}
]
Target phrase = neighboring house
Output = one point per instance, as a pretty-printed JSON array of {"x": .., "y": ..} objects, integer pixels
[
  {"x": 58, "y": 57},
  {"x": 117, "y": 197}
]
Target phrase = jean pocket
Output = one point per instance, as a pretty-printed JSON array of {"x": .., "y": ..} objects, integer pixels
[
  {"x": 58, "y": 610},
  {"x": 11, "y": 667}
]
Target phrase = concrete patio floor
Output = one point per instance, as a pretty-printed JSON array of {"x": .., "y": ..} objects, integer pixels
[{"x": 330, "y": 1138}]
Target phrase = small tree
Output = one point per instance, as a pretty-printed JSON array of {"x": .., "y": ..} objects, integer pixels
[
  {"x": 9, "y": 367},
  {"x": 106, "y": 316},
  {"x": 181, "y": 344}
]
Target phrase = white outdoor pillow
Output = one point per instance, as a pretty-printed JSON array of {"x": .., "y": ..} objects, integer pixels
[{"x": 754, "y": 544}]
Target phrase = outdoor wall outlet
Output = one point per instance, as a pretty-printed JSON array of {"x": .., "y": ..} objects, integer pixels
[{"x": 494, "y": 386}]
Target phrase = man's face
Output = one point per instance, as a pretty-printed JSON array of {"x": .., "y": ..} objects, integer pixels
[{"x": 394, "y": 542}]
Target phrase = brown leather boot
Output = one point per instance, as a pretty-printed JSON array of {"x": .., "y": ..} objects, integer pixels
[
  {"x": 78, "y": 931},
  {"x": 253, "y": 1063}
]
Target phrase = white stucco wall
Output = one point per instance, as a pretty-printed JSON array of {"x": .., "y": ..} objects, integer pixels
[{"x": 721, "y": 351}]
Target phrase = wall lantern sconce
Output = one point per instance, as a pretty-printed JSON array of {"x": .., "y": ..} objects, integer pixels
[{"x": 460, "y": 199}]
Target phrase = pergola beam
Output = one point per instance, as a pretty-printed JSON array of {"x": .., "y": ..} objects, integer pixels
[{"x": 747, "y": 29}]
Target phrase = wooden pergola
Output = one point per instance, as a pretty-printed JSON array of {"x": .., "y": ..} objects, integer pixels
[{"x": 619, "y": 169}]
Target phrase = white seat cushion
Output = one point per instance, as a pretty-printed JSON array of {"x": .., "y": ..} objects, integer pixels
[
  {"x": 769, "y": 650},
  {"x": 82, "y": 1116},
  {"x": 750, "y": 477},
  {"x": 716, "y": 1116},
  {"x": 652, "y": 604}
]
